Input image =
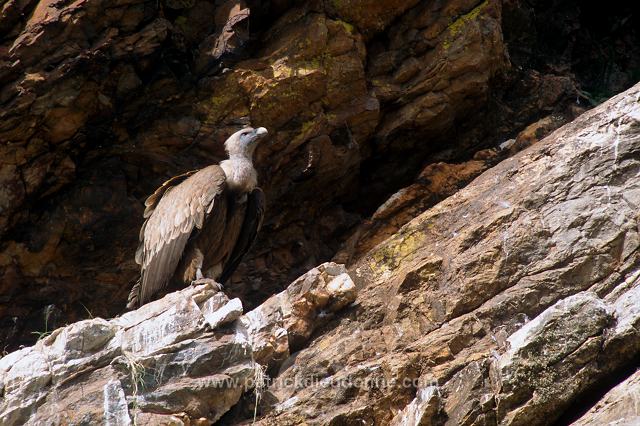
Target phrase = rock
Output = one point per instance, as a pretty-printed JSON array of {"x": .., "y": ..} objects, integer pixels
[
  {"x": 496, "y": 294},
  {"x": 469, "y": 401},
  {"x": 435, "y": 183},
  {"x": 534, "y": 132},
  {"x": 618, "y": 406},
  {"x": 284, "y": 321},
  {"x": 187, "y": 357},
  {"x": 370, "y": 16},
  {"x": 431, "y": 98},
  {"x": 356, "y": 97},
  {"x": 422, "y": 410},
  {"x": 551, "y": 358},
  {"x": 229, "y": 36},
  {"x": 379, "y": 113}
]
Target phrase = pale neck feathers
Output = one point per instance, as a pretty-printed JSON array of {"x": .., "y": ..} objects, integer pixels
[{"x": 241, "y": 176}]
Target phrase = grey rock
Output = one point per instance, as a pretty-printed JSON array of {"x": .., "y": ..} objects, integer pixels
[
  {"x": 551, "y": 358},
  {"x": 186, "y": 357}
]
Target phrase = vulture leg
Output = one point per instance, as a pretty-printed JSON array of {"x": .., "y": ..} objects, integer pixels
[
  {"x": 191, "y": 265},
  {"x": 194, "y": 272}
]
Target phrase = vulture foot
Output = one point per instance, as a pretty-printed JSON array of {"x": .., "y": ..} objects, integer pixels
[{"x": 216, "y": 285}]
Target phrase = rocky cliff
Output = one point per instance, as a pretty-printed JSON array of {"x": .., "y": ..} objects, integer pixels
[
  {"x": 512, "y": 302},
  {"x": 510, "y": 299}
]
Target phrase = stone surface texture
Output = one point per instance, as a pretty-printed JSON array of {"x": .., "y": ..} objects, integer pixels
[
  {"x": 103, "y": 100},
  {"x": 505, "y": 303},
  {"x": 618, "y": 407},
  {"x": 502, "y": 304},
  {"x": 187, "y": 357},
  {"x": 451, "y": 234}
]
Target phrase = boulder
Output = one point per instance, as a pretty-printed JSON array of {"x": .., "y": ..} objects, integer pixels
[{"x": 187, "y": 357}]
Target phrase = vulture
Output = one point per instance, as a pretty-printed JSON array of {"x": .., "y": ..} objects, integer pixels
[{"x": 199, "y": 225}]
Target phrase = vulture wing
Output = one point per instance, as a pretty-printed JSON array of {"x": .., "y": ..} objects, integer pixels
[
  {"x": 250, "y": 227},
  {"x": 172, "y": 212}
]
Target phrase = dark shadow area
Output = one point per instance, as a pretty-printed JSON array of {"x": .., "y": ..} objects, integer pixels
[{"x": 595, "y": 394}]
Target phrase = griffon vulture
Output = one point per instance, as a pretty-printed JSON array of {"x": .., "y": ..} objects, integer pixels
[{"x": 199, "y": 225}]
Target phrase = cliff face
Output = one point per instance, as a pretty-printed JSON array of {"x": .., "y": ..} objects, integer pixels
[
  {"x": 379, "y": 112},
  {"x": 505, "y": 304},
  {"x": 103, "y": 100}
]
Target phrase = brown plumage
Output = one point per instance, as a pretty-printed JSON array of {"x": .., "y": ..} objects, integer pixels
[{"x": 199, "y": 224}]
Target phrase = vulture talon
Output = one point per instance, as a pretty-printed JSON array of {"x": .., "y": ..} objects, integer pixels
[{"x": 216, "y": 285}]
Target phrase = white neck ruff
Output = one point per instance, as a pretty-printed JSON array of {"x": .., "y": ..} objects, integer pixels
[{"x": 241, "y": 176}]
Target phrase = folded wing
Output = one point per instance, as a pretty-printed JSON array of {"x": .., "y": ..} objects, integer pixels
[
  {"x": 254, "y": 215},
  {"x": 179, "y": 206}
]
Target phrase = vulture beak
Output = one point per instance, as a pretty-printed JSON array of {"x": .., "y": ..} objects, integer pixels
[{"x": 258, "y": 134}]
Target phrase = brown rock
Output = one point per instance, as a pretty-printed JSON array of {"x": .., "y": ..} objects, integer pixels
[
  {"x": 435, "y": 183},
  {"x": 101, "y": 101},
  {"x": 534, "y": 132},
  {"x": 437, "y": 298},
  {"x": 450, "y": 82},
  {"x": 370, "y": 16}
]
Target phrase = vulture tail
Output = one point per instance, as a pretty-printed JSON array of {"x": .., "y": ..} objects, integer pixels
[{"x": 134, "y": 296}]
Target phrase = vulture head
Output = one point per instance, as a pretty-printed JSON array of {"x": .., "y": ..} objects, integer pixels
[{"x": 244, "y": 142}]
